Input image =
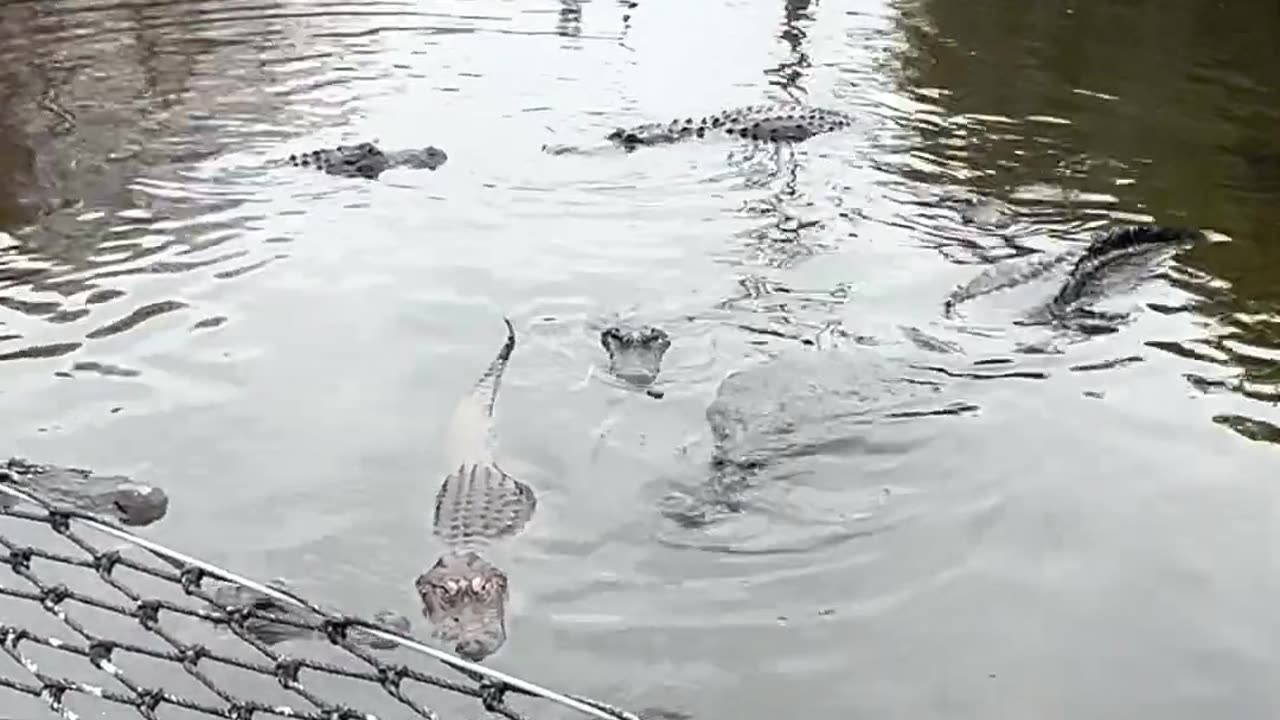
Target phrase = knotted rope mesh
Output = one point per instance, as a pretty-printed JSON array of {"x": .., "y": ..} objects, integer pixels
[{"x": 160, "y": 644}]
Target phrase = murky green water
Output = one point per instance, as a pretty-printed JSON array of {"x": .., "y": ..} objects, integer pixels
[{"x": 279, "y": 349}]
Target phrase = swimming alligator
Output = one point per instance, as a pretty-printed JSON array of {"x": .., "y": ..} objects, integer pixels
[
  {"x": 1122, "y": 256},
  {"x": 635, "y": 354},
  {"x": 367, "y": 160},
  {"x": 463, "y": 594},
  {"x": 114, "y": 497},
  {"x": 781, "y": 123}
]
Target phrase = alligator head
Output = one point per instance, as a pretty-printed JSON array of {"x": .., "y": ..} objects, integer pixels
[
  {"x": 635, "y": 355},
  {"x": 114, "y": 496},
  {"x": 367, "y": 160},
  {"x": 465, "y": 598},
  {"x": 133, "y": 503}
]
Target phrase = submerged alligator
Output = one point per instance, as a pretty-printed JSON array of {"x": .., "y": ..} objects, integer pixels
[
  {"x": 802, "y": 413},
  {"x": 782, "y": 123},
  {"x": 463, "y": 594},
  {"x": 115, "y": 497},
  {"x": 1119, "y": 257},
  {"x": 635, "y": 354},
  {"x": 269, "y": 631},
  {"x": 367, "y": 160}
]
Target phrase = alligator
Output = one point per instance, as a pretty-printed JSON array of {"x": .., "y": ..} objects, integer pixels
[
  {"x": 635, "y": 354},
  {"x": 260, "y": 625},
  {"x": 1120, "y": 256},
  {"x": 787, "y": 417},
  {"x": 781, "y": 123},
  {"x": 367, "y": 160},
  {"x": 114, "y": 497},
  {"x": 463, "y": 595}
]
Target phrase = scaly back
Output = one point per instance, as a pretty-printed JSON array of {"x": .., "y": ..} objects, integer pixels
[
  {"x": 479, "y": 502},
  {"x": 1109, "y": 253}
]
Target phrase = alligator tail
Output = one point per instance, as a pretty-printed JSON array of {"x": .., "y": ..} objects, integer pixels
[
  {"x": 485, "y": 391},
  {"x": 1001, "y": 277}
]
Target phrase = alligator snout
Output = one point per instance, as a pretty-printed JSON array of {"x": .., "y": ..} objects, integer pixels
[
  {"x": 635, "y": 355},
  {"x": 465, "y": 599},
  {"x": 137, "y": 505},
  {"x": 475, "y": 649}
]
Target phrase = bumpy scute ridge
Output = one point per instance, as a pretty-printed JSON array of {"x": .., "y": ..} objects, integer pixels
[
  {"x": 761, "y": 123},
  {"x": 481, "y": 503}
]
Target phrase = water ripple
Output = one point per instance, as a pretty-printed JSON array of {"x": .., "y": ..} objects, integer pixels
[{"x": 177, "y": 302}]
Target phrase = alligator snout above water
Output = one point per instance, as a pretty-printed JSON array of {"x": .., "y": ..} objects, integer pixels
[
  {"x": 635, "y": 353},
  {"x": 367, "y": 160},
  {"x": 112, "y": 496}
]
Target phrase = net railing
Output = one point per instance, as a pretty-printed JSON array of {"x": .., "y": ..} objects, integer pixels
[{"x": 168, "y": 626}]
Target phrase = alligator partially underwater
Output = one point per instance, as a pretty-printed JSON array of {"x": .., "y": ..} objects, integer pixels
[
  {"x": 1115, "y": 259},
  {"x": 367, "y": 160},
  {"x": 635, "y": 354},
  {"x": 463, "y": 594},
  {"x": 113, "y": 497},
  {"x": 264, "y": 623},
  {"x": 800, "y": 412},
  {"x": 780, "y": 123}
]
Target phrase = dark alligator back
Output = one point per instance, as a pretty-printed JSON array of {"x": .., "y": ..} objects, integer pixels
[
  {"x": 1112, "y": 249},
  {"x": 761, "y": 123}
]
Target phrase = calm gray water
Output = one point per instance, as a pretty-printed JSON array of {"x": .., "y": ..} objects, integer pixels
[{"x": 279, "y": 349}]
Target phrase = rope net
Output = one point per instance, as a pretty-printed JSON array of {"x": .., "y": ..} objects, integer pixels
[{"x": 79, "y": 653}]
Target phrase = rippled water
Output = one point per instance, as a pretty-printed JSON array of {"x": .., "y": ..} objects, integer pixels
[{"x": 279, "y": 349}]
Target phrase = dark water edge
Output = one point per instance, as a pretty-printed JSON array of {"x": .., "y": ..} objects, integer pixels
[{"x": 279, "y": 349}]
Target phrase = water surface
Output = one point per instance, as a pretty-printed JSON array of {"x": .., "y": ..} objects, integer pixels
[{"x": 279, "y": 349}]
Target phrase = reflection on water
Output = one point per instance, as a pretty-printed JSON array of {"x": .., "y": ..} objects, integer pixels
[{"x": 1082, "y": 533}]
